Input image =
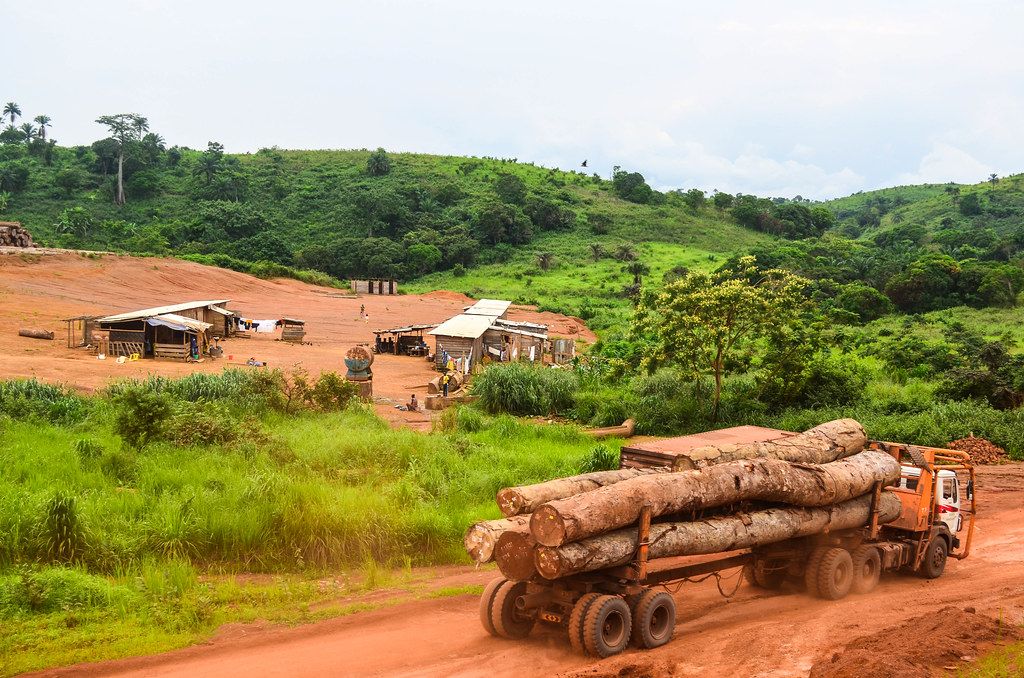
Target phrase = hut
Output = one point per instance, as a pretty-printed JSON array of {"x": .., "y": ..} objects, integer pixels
[
  {"x": 460, "y": 339},
  {"x": 214, "y": 313},
  {"x": 563, "y": 350},
  {"x": 293, "y": 330},
  {"x": 162, "y": 335},
  {"x": 406, "y": 340},
  {"x": 506, "y": 340},
  {"x": 375, "y": 286}
]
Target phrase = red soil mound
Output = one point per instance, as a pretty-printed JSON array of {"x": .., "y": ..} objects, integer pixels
[{"x": 982, "y": 451}]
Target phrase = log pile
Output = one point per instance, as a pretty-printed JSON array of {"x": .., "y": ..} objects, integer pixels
[
  {"x": 12, "y": 234},
  {"x": 725, "y": 498}
]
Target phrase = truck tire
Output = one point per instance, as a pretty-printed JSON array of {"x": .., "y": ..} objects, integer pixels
[
  {"x": 486, "y": 599},
  {"x": 867, "y": 568},
  {"x": 607, "y": 626},
  {"x": 576, "y": 618},
  {"x": 934, "y": 562},
  {"x": 508, "y": 621},
  {"x": 835, "y": 574},
  {"x": 811, "y": 569},
  {"x": 654, "y": 619}
]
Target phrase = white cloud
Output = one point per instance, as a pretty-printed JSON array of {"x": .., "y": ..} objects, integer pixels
[{"x": 944, "y": 163}]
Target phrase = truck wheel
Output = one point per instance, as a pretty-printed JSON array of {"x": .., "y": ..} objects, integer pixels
[
  {"x": 576, "y": 618},
  {"x": 654, "y": 619},
  {"x": 606, "y": 626},
  {"x": 508, "y": 621},
  {"x": 934, "y": 563},
  {"x": 811, "y": 569},
  {"x": 867, "y": 568},
  {"x": 486, "y": 599},
  {"x": 835, "y": 574}
]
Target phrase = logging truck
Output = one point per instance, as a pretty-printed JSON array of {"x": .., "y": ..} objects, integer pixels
[{"x": 603, "y": 611}]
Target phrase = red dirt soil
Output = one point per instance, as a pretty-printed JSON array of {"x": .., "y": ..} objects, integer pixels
[
  {"x": 38, "y": 290},
  {"x": 755, "y": 633}
]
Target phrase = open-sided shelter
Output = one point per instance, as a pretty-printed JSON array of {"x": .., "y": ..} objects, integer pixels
[{"x": 406, "y": 340}]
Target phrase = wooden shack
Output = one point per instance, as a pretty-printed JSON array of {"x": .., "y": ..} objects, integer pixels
[
  {"x": 563, "y": 350},
  {"x": 506, "y": 340},
  {"x": 293, "y": 330},
  {"x": 406, "y": 340},
  {"x": 493, "y": 308},
  {"x": 460, "y": 337},
  {"x": 375, "y": 286},
  {"x": 213, "y": 313},
  {"x": 164, "y": 335},
  {"x": 80, "y": 329}
]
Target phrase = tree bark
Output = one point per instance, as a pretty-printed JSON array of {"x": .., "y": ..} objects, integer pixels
[
  {"x": 481, "y": 537},
  {"x": 527, "y": 498},
  {"x": 819, "y": 445},
  {"x": 120, "y": 176},
  {"x": 513, "y": 552},
  {"x": 772, "y": 480},
  {"x": 716, "y": 535}
]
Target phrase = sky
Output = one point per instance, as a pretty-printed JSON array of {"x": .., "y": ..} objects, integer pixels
[{"x": 776, "y": 99}]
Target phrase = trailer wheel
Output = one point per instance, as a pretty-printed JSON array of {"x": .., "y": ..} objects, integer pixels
[
  {"x": 811, "y": 569},
  {"x": 486, "y": 599},
  {"x": 607, "y": 626},
  {"x": 835, "y": 574},
  {"x": 576, "y": 619},
  {"x": 867, "y": 568},
  {"x": 654, "y": 619},
  {"x": 508, "y": 621},
  {"x": 934, "y": 563}
]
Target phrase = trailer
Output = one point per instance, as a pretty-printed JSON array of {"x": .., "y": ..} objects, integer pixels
[{"x": 603, "y": 611}]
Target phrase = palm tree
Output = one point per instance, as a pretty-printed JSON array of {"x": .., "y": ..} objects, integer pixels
[
  {"x": 545, "y": 260},
  {"x": 625, "y": 252},
  {"x": 596, "y": 251},
  {"x": 12, "y": 109},
  {"x": 993, "y": 178},
  {"x": 29, "y": 130},
  {"x": 43, "y": 121},
  {"x": 637, "y": 269}
]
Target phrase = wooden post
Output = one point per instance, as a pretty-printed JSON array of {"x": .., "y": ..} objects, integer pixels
[
  {"x": 643, "y": 540},
  {"x": 876, "y": 498}
]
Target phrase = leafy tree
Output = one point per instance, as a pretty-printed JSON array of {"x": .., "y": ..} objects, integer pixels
[
  {"x": 69, "y": 180},
  {"x": 545, "y": 260},
  {"x": 43, "y": 121},
  {"x": 549, "y": 216},
  {"x": 13, "y": 176},
  {"x": 11, "y": 110},
  {"x": 631, "y": 186},
  {"x": 502, "y": 223},
  {"x": 823, "y": 218},
  {"x": 970, "y": 204},
  {"x": 264, "y": 246},
  {"x": 694, "y": 199},
  {"x": 865, "y": 302},
  {"x": 140, "y": 416},
  {"x": 125, "y": 128},
  {"x": 1001, "y": 285},
  {"x": 378, "y": 164},
  {"x": 701, "y": 322},
  {"x": 210, "y": 162},
  {"x": 929, "y": 283},
  {"x": 510, "y": 189},
  {"x": 28, "y": 131},
  {"x": 384, "y": 210},
  {"x": 953, "y": 192},
  {"x": 422, "y": 258},
  {"x": 993, "y": 178},
  {"x": 722, "y": 200}
]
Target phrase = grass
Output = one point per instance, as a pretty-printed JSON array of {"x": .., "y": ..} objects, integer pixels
[{"x": 1004, "y": 662}]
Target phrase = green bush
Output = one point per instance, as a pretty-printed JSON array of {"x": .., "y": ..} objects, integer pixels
[
  {"x": 332, "y": 393},
  {"x": 31, "y": 399},
  {"x": 141, "y": 415},
  {"x": 522, "y": 389},
  {"x": 62, "y": 535},
  {"x": 53, "y": 589},
  {"x": 202, "y": 424},
  {"x": 600, "y": 459}
]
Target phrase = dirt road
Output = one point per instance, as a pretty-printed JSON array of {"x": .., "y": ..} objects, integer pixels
[
  {"x": 755, "y": 633},
  {"x": 39, "y": 289}
]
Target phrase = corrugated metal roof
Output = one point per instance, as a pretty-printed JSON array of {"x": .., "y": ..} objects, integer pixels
[
  {"x": 222, "y": 311},
  {"x": 406, "y": 329},
  {"x": 160, "y": 310},
  {"x": 537, "y": 327},
  {"x": 465, "y": 326},
  {"x": 489, "y": 307}
]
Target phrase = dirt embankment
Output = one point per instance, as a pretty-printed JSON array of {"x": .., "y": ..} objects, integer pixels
[
  {"x": 918, "y": 625},
  {"x": 40, "y": 289}
]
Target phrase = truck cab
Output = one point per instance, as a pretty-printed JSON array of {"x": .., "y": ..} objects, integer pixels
[{"x": 947, "y": 495}]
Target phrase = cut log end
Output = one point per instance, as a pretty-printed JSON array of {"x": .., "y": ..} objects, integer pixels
[
  {"x": 513, "y": 552},
  {"x": 510, "y": 501},
  {"x": 479, "y": 543},
  {"x": 548, "y": 562},
  {"x": 547, "y": 526}
]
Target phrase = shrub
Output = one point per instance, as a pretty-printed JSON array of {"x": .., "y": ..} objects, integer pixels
[
  {"x": 668, "y": 401},
  {"x": 30, "y": 398},
  {"x": 140, "y": 416},
  {"x": 378, "y": 164},
  {"x": 332, "y": 393},
  {"x": 62, "y": 535},
  {"x": 523, "y": 389},
  {"x": 459, "y": 271},
  {"x": 202, "y": 424}
]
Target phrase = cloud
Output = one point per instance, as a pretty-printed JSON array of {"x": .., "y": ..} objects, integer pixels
[{"x": 944, "y": 163}]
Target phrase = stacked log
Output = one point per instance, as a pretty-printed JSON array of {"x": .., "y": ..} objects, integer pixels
[
  {"x": 809, "y": 483},
  {"x": 12, "y": 234}
]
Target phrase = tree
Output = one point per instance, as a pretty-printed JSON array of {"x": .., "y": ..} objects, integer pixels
[
  {"x": 11, "y": 110},
  {"x": 970, "y": 205},
  {"x": 378, "y": 164},
  {"x": 500, "y": 223},
  {"x": 43, "y": 121},
  {"x": 210, "y": 162},
  {"x": 993, "y": 178},
  {"x": 722, "y": 200},
  {"x": 625, "y": 252},
  {"x": 545, "y": 260},
  {"x": 596, "y": 251},
  {"x": 631, "y": 186},
  {"x": 703, "y": 320},
  {"x": 422, "y": 258},
  {"x": 953, "y": 192},
  {"x": 124, "y": 128},
  {"x": 29, "y": 130},
  {"x": 510, "y": 189},
  {"x": 694, "y": 199}
]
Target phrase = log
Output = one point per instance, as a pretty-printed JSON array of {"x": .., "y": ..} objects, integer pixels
[
  {"x": 34, "y": 333},
  {"x": 481, "y": 537},
  {"x": 715, "y": 535},
  {"x": 513, "y": 552},
  {"x": 819, "y": 445},
  {"x": 772, "y": 480},
  {"x": 514, "y": 501}
]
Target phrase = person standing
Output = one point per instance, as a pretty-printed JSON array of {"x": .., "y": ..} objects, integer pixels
[{"x": 445, "y": 378}]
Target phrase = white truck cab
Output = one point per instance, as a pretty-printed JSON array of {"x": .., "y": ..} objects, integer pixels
[{"x": 947, "y": 495}]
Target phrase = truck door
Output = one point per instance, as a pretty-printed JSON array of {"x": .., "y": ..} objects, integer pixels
[{"x": 948, "y": 500}]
